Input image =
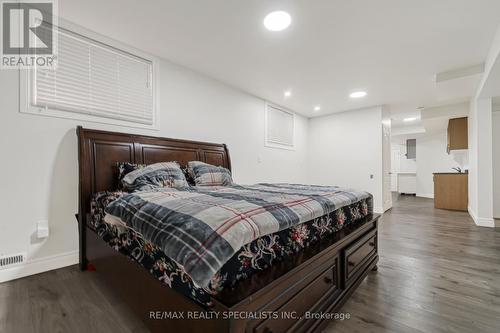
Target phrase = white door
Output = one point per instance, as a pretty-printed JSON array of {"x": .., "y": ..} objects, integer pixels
[
  {"x": 386, "y": 165},
  {"x": 395, "y": 166}
]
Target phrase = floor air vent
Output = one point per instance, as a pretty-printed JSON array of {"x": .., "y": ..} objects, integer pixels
[{"x": 12, "y": 260}]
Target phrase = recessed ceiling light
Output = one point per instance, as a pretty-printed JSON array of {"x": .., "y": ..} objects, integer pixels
[
  {"x": 287, "y": 93},
  {"x": 317, "y": 108},
  {"x": 358, "y": 94},
  {"x": 277, "y": 21},
  {"x": 410, "y": 119}
]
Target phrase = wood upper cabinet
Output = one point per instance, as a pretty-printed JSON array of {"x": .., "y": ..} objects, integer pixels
[{"x": 458, "y": 137}]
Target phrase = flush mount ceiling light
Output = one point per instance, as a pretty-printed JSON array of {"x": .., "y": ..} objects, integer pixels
[
  {"x": 358, "y": 94},
  {"x": 277, "y": 21},
  {"x": 287, "y": 93},
  {"x": 317, "y": 108},
  {"x": 410, "y": 119}
]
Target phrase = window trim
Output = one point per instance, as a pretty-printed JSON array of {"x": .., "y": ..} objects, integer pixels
[
  {"x": 26, "y": 85},
  {"x": 271, "y": 144}
]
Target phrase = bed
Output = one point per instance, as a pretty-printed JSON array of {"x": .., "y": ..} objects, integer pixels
[{"x": 266, "y": 285}]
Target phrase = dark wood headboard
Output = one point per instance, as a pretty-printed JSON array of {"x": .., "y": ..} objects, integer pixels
[{"x": 99, "y": 151}]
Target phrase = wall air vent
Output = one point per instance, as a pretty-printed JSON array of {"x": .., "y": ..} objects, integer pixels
[{"x": 12, "y": 260}]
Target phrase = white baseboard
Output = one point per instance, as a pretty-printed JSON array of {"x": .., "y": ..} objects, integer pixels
[
  {"x": 485, "y": 222},
  {"x": 35, "y": 266},
  {"x": 481, "y": 221},
  {"x": 426, "y": 195}
]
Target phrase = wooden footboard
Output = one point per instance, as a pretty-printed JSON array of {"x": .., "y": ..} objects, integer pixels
[{"x": 293, "y": 302}]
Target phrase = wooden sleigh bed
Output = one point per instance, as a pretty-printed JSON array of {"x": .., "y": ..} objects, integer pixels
[{"x": 318, "y": 280}]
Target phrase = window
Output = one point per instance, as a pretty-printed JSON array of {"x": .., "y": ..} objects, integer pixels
[
  {"x": 94, "y": 81},
  {"x": 279, "y": 127}
]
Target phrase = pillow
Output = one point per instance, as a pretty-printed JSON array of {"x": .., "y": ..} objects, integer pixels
[
  {"x": 164, "y": 174},
  {"x": 124, "y": 168},
  {"x": 209, "y": 175},
  {"x": 188, "y": 176}
]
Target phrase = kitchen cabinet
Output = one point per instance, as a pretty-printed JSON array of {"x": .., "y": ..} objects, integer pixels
[
  {"x": 458, "y": 137},
  {"x": 451, "y": 191}
]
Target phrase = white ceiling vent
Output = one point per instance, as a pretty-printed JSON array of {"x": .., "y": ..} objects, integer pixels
[{"x": 12, "y": 260}]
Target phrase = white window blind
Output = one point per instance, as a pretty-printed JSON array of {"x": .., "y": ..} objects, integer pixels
[
  {"x": 280, "y": 127},
  {"x": 96, "y": 79}
]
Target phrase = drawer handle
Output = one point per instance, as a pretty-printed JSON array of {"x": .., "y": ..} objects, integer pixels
[
  {"x": 328, "y": 280},
  {"x": 372, "y": 243},
  {"x": 350, "y": 263}
]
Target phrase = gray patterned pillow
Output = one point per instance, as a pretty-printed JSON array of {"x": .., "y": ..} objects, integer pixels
[
  {"x": 124, "y": 168},
  {"x": 209, "y": 175},
  {"x": 164, "y": 174}
]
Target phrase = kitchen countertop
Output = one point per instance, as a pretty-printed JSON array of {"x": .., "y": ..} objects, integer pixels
[{"x": 450, "y": 173}]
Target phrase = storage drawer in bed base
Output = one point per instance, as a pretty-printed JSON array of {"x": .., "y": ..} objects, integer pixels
[
  {"x": 311, "y": 296},
  {"x": 358, "y": 255}
]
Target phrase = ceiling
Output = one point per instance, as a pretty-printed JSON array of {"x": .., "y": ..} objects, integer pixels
[
  {"x": 390, "y": 48},
  {"x": 428, "y": 120}
]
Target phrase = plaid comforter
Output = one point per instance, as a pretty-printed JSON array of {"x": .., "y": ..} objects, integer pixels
[{"x": 201, "y": 228}]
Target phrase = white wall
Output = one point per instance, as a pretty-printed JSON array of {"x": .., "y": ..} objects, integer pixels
[
  {"x": 481, "y": 139},
  {"x": 496, "y": 164},
  {"x": 431, "y": 158},
  {"x": 481, "y": 162},
  {"x": 345, "y": 149},
  {"x": 473, "y": 145},
  {"x": 39, "y": 168},
  {"x": 405, "y": 164},
  {"x": 199, "y": 108},
  {"x": 399, "y": 162}
]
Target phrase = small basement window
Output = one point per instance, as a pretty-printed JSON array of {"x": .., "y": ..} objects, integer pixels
[
  {"x": 279, "y": 127},
  {"x": 93, "y": 81}
]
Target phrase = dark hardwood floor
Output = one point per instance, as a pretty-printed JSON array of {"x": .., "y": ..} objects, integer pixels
[{"x": 438, "y": 272}]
